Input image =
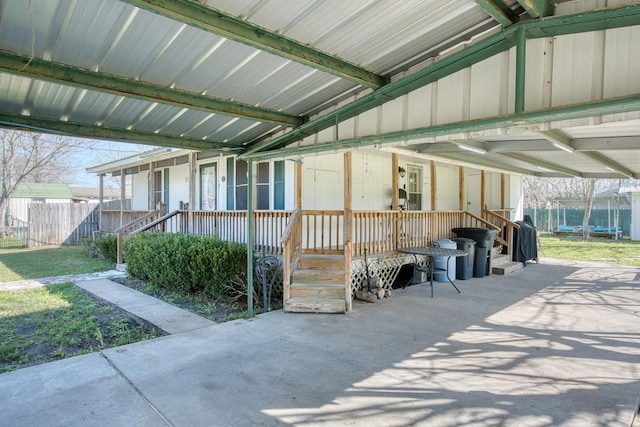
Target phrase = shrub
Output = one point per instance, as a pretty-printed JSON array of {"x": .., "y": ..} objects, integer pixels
[
  {"x": 187, "y": 263},
  {"x": 105, "y": 247}
]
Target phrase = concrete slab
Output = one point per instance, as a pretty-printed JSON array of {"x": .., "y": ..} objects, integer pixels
[
  {"x": 167, "y": 317},
  {"x": 79, "y": 391},
  {"x": 555, "y": 344}
]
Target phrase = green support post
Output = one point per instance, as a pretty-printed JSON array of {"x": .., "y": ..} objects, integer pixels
[
  {"x": 250, "y": 237},
  {"x": 521, "y": 65}
]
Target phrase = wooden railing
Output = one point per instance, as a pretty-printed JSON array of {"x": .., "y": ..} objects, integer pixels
[
  {"x": 322, "y": 231},
  {"x": 131, "y": 227},
  {"x": 505, "y": 228},
  {"x": 292, "y": 247},
  {"x": 386, "y": 231},
  {"x": 111, "y": 220}
]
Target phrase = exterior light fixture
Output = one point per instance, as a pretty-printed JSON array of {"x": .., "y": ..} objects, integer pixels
[
  {"x": 471, "y": 148},
  {"x": 401, "y": 171}
]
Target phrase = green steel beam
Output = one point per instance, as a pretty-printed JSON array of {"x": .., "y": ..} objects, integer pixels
[
  {"x": 206, "y": 18},
  {"x": 608, "y": 163},
  {"x": 565, "y": 112},
  {"x": 521, "y": 66},
  {"x": 21, "y": 65},
  {"x": 589, "y": 21},
  {"x": 542, "y": 163},
  {"x": 480, "y": 161},
  {"x": 597, "y": 20},
  {"x": 499, "y": 11},
  {"x": 446, "y": 66},
  {"x": 47, "y": 125},
  {"x": 538, "y": 8}
]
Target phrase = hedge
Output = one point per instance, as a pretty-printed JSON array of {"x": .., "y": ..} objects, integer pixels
[{"x": 188, "y": 263}]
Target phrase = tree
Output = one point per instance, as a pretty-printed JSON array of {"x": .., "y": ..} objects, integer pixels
[{"x": 32, "y": 157}]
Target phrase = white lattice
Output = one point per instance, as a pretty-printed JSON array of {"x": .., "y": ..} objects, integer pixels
[{"x": 386, "y": 267}]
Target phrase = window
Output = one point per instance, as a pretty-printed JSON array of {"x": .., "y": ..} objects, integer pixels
[
  {"x": 157, "y": 189},
  {"x": 241, "y": 185},
  {"x": 208, "y": 190},
  {"x": 414, "y": 175},
  {"x": 278, "y": 185},
  {"x": 262, "y": 186},
  {"x": 230, "y": 183}
]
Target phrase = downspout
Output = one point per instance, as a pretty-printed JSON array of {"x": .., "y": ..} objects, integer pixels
[{"x": 249, "y": 237}]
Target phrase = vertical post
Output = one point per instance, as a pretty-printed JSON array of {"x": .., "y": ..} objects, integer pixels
[
  {"x": 250, "y": 237},
  {"x": 123, "y": 181},
  {"x": 297, "y": 189},
  {"x": 434, "y": 186},
  {"x": 521, "y": 64},
  {"x": 503, "y": 191},
  {"x": 101, "y": 204},
  {"x": 192, "y": 181},
  {"x": 394, "y": 182},
  {"x": 482, "y": 190},
  {"x": 347, "y": 229},
  {"x": 152, "y": 188},
  {"x": 461, "y": 195}
]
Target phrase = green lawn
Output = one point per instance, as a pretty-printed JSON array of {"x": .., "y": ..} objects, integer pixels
[
  {"x": 53, "y": 322},
  {"x": 19, "y": 264},
  {"x": 621, "y": 252}
]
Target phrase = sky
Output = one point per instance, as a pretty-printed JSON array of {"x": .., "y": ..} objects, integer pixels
[{"x": 93, "y": 152}]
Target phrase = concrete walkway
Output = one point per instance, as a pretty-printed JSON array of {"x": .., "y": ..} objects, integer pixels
[{"x": 557, "y": 344}]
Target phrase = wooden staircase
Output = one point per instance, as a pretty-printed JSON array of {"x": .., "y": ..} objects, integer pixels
[
  {"x": 502, "y": 264},
  {"x": 317, "y": 285}
]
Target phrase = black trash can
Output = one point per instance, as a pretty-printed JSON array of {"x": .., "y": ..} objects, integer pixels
[
  {"x": 464, "y": 264},
  {"x": 484, "y": 238}
]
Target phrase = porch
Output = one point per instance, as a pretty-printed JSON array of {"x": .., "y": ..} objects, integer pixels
[{"x": 292, "y": 236}]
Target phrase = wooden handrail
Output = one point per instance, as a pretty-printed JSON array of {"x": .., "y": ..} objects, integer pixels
[
  {"x": 505, "y": 227},
  {"x": 133, "y": 224},
  {"x": 291, "y": 242},
  {"x": 482, "y": 221},
  {"x": 160, "y": 220},
  {"x": 290, "y": 226}
]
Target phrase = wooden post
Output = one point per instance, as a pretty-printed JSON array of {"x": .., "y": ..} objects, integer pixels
[
  {"x": 461, "y": 190},
  {"x": 192, "y": 181},
  {"x": 123, "y": 181},
  {"x": 434, "y": 186},
  {"x": 101, "y": 204},
  {"x": 152, "y": 188},
  {"x": 482, "y": 193},
  {"x": 297, "y": 186},
  {"x": 347, "y": 230},
  {"x": 503, "y": 189},
  {"x": 394, "y": 182}
]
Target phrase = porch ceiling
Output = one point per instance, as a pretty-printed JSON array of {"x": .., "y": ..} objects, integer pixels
[{"x": 255, "y": 76}]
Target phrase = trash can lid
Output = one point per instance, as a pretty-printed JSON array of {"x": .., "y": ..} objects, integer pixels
[
  {"x": 464, "y": 240},
  {"x": 445, "y": 244}
]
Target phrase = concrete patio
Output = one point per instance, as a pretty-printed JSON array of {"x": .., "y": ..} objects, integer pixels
[{"x": 557, "y": 344}]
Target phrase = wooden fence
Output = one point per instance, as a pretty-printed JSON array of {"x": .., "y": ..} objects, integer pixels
[{"x": 55, "y": 224}]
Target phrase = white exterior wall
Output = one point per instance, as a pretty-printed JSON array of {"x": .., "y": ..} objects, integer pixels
[
  {"x": 140, "y": 191},
  {"x": 371, "y": 182},
  {"x": 448, "y": 192},
  {"x": 635, "y": 216},
  {"x": 18, "y": 208},
  {"x": 323, "y": 182}
]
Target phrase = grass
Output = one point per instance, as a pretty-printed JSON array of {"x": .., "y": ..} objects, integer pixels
[
  {"x": 20, "y": 264},
  {"x": 53, "y": 322},
  {"x": 620, "y": 252},
  {"x": 202, "y": 305}
]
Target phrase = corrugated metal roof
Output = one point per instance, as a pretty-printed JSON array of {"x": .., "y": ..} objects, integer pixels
[{"x": 168, "y": 51}]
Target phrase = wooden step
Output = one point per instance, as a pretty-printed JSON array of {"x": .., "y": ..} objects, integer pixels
[
  {"x": 321, "y": 262},
  {"x": 307, "y": 305},
  {"x": 497, "y": 260},
  {"x": 318, "y": 277},
  {"x": 317, "y": 291},
  {"x": 506, "y": 268}
]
